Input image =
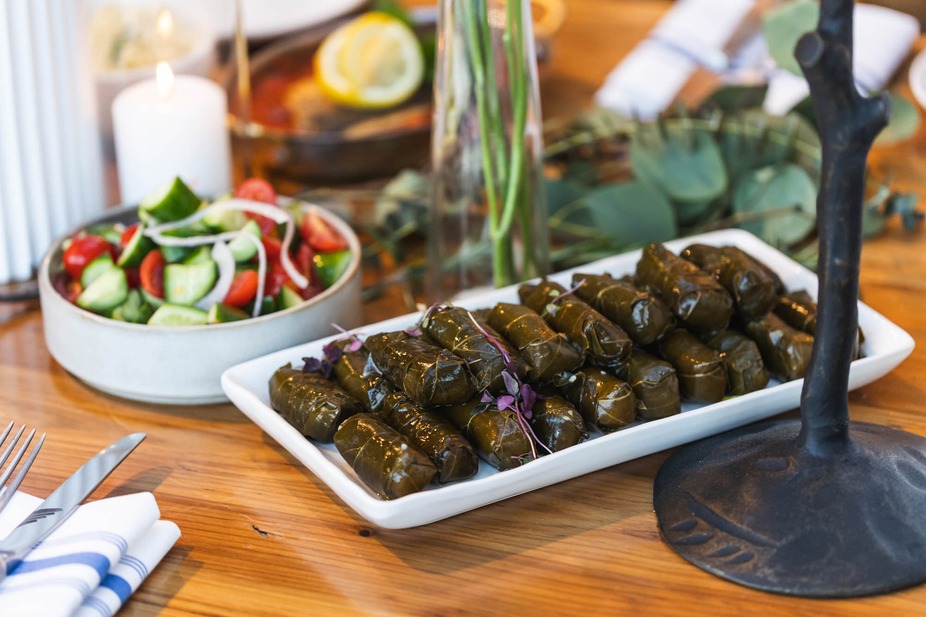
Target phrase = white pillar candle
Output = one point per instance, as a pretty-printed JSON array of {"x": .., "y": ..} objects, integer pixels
[{"x": 171, "y": 126}]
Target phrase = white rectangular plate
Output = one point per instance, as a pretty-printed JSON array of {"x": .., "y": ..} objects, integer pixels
[{"x": 886, "y": 346}]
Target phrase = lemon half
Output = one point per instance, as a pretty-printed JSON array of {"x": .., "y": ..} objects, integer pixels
[{"x": 371, "y": 62}]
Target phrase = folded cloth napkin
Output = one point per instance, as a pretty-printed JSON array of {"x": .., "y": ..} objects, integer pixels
[
  {"x": 92, "y": 563},
  {"x": 694, "y": 34}
]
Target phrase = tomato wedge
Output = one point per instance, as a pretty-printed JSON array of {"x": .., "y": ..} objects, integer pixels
[
  {"x": 243, "y": 288},
  {"x": 258, "y": 189},
  {"x": 320, "y": 235},
  {"x": 83, "y": 250},
  {"x": 127, "y": 234},
  {"x": 151, "y": 273}
]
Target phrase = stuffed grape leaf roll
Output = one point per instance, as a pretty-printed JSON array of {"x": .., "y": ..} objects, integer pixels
[
  {"x": 694, "y": 296},
  {"x": 483, "y": 349},
  {"x": 605, "y": 343},
  {"x": 746, "y": 371},
  {"x": 427, "y": 373},
  {"x": 496, "y": 434},
  {"x": 655, "y": 386},
  {"x": 798, "y": 310},
  {"x": 753, "y": 291},
  {"x": 785, "y": 350},
  {"x": 434, "y": 435},
  {"x": 382, "y": 457},
  {"x": 557, "y": 423},
  {"x": 605, "y": 402},
  {"x": 310, "y": 402},
  {"x": 547, "y": 352},
  {"x": 702, "y": 376},
  {"x": 355, "y": 372},
  {"x": 642, "y": 315}
]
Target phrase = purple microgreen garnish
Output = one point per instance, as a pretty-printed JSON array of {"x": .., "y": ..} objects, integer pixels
[
  {"x": 509, "y": 361},
  {"x": 332, "y": 352},
  {"x": 355, "y": 342},
  {"x": 506, "y": 401},
  {"x": 314, "y": 365},
  {"x": 512, "y": 384}
]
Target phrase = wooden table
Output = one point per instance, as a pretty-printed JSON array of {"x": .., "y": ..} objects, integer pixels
[{"x": 263, "y": 536}]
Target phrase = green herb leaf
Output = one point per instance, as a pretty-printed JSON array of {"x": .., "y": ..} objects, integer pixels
[
  {"x": 783, "y": 25},
  {"x": 735, "y": 98},
  {"x": 754, "y": 139},
  {"x": 631, "y": 213},
  {"x": 686, "y": 165},
  {"x": 779, "y": 202},
  {"x": 905, "y": 121}
]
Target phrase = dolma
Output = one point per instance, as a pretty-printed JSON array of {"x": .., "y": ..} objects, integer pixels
[
  {"x": 314, "y": 405},
  {"x": 454, "y": 329},
  {"x": 798, "y": 310},
  {"x": 496, "y": 434},
  {"x": 655, "y": 386},
  {"x": 642, "y": 315},
  {"x": 557, "y": 423},
  {"x": 434, "y": 435},
  {"x": 547, "y": 352},
  {"x": 427, "y": 373},
  {"x": 382, "y": 457},
  {"x": 785, "y": 350},
  {"x": 605, "y": 343},
  {"x": 746, "y": 371},
  {"x": 355, "y": 372},
  {"x": 702, "y": 377},
  {"x": 605, "y": 402},
  {"x": 753, "y": 291},
  {"x": 694, "y": 296}
]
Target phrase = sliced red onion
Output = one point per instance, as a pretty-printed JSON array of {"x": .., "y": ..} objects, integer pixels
[
  {"x": 225, "y": 261},
  {"x": 277, "y": 214}
]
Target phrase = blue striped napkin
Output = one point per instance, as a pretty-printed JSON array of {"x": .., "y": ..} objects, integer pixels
[{"x": 92, "y": 563}]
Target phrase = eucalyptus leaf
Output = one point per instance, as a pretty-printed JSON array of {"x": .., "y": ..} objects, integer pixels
[
  {"x": 631, "y": 213},
  {"x": 565, "y": 208},
  {"x": 783, "y": 26},
  {"x": 735, "y": 97},
  {"x": 778, "y": 203},
  {"x": 753, "y": 139},
  {"x": 905, "y": 121},
  {"x": 685, "y": 164}
]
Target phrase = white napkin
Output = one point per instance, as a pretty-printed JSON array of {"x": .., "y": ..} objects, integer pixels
[
  {"x": 92, "y": 563},
  {"x": 693, "y": 34}
]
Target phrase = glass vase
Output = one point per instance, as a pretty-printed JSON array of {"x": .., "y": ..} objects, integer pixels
[{"x": 487, "y": 225}]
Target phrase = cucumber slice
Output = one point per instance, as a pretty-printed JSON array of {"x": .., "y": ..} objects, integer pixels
[
  {"x": 152, "y": 300},
  {"x": 226, "y": 220},
  {"x": 95, "y": 268},
  {"x": 175, "y": 254},
  {"x": 176, "y": 315},
  {"x": 267, "y": 305},
  {"x": 136, "y": 249},
  {"x": 172, "y": 202},
  {"x": 243, "y": 249},
  {"x": 224, "y": 313},
  {"x": 185, "y": 284},
  {"x": 106, "y": 292},
  {"x": 110, "y": 233},
  {"x": 330, "y": 266},
  {"x": 199, "y": 255},
  {"x": 134, "y": 309},
  {"x": 287, "y": 298}
]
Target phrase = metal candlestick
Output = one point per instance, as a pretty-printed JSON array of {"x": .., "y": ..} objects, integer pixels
[{"x": 820, "y": 507}]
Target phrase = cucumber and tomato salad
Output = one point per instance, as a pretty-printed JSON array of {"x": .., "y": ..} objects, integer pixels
[{"x": 187, "y": 262}]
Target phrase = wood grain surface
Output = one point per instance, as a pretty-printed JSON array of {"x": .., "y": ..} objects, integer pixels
[{"x": 263, "y": 536}]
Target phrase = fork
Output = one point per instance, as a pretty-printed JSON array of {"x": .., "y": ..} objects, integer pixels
[{"x": 8, "y": 490}]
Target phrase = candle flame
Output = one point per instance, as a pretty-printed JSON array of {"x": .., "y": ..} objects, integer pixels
[
  {"x": 165, "y": 23},
  {"x": 165, "y": 79}
]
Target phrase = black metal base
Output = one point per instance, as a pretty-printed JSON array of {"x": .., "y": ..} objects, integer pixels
[{"x": 750, "y": 506}]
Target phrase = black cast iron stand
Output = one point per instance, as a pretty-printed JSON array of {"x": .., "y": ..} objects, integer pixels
[{"x": 820, "y": 507}]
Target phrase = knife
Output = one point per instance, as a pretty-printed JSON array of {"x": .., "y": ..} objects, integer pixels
[{"x": 61, "y": 504}]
